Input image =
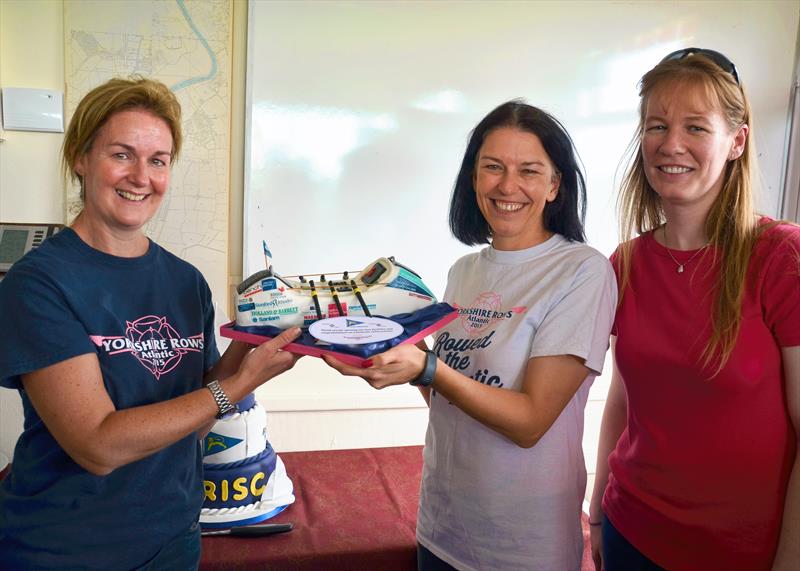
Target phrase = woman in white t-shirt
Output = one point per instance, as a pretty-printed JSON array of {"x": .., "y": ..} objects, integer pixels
[{"x": 507, "y": 382}]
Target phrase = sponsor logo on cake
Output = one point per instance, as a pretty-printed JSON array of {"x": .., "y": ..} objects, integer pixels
[{"x": 218, "y": 442}]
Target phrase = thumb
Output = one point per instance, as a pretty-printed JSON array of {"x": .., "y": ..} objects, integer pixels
[{"x": 283, "y": 339}]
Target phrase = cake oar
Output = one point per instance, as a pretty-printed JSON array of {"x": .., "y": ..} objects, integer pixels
[
  {"x": 314, "y": 297},
  {"x": 360, "y": 298}
]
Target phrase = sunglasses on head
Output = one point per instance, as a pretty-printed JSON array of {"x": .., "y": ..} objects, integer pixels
[{"x": 716, "y": 57}]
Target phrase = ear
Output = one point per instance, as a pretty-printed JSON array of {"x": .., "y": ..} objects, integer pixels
[
  {"x": 739, "y": 139},
  {"x": 80, "y": 165},
  {"x": 555, "y": 185}
]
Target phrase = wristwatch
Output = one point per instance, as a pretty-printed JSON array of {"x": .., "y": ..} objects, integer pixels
[
  {"x": 425, "y": 378},
  {"x": 221, "y": 399}
]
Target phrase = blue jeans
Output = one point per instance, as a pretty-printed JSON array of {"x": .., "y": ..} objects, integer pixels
[
  {"x": 620, "y": 555},
  {"x": 180, "y": 554},
  {"x": 427, "y": 561}
]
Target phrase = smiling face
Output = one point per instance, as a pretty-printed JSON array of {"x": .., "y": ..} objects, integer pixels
[
  {"x": 125, "y": 175},
  {"x": 686, "y": 145},
  {"x": 514, "y": 180}
]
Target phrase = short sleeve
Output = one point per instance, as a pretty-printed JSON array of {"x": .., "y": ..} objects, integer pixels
[
  {"x": 448, "y": 289},
  {"x": 580, "y": 322},
  {"x": 211, "y": 355},
  {"x": 39, "y": 328},
  {"x": 780, "y": 292}
]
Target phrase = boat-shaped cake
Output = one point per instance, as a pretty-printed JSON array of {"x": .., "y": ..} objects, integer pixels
[{"x": 383, "y": 288}]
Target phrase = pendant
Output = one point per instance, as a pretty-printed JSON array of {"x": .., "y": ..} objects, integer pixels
[{"x": 680, "y": 269}]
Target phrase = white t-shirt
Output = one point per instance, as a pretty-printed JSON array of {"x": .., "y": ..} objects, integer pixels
[{"x": 485, "y": 502}]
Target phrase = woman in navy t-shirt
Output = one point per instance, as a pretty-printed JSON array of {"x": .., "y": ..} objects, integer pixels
[{"x": 109, "y": 340}]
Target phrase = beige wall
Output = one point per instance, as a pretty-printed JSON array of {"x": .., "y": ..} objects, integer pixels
[{"x": 31, "y": 55}]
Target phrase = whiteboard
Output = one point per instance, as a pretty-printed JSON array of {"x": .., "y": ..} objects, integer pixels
[{"x": 358, "y": 112}]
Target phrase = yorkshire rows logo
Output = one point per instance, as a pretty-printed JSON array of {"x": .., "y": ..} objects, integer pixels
[
  {"x": 485, "y": 310},
  {"x": 154, "y": 342}
]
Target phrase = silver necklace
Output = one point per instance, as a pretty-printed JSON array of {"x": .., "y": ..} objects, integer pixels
[{"x": 677, "y": 263}]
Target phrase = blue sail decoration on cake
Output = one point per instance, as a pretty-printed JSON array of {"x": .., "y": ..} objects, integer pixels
[{"x": 244, "y": 480}]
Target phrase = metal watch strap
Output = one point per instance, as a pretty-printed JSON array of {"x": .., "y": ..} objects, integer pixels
[
  {"x": 220, "y": 398},
  {"x": 425, "y": 378}
]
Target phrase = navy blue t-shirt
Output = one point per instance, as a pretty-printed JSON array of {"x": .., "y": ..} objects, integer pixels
[{"x": 149, "y": 320}]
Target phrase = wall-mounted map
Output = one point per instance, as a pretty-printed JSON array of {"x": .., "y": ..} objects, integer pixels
[{"x": 187, "y": 45}]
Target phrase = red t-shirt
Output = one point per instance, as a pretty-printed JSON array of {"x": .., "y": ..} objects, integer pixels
[{"x": 698, "y": 478}]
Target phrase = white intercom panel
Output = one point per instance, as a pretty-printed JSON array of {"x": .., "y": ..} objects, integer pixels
[
  {"x": 27, "y": 109},
  {"x": 16, "y": 240}
]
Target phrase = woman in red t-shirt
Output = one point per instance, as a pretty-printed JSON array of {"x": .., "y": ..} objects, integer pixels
[{"x": 698, "y": 465}]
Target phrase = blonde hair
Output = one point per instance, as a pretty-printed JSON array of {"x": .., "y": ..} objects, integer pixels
[
  {"x": 731, "y": 222},
  {"x": 116, "y": 95}
]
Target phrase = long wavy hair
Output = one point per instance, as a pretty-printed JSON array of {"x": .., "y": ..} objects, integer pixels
[{"x": 730, "y": 225}]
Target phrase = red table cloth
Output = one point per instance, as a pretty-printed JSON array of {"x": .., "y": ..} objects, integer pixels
[{"x": 355, "y": 510}]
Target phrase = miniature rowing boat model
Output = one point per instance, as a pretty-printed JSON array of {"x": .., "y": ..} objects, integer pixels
[
  {"x": 384, "y": 288},
  {"x": 267, "y": 303}
]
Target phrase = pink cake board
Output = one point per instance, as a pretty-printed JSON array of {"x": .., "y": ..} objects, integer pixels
[{"x": 228, "y": 331}]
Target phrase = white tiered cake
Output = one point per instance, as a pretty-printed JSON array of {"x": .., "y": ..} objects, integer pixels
[{"x": 245, "y": 481}]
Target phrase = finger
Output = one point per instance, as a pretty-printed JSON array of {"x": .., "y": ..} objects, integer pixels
[
  {"x": 283, "y": 359},
  {"x": 343, "y": 368},
  {"x": 378, "y": 383},
  {"x": 280, "y": 362},
  {"x": 400, "y": 354},
  {"x": 598, "y": 562},
  {"x": 386, "y": 359},
  {"x": 393, "y": 355},
  {"x": 266, "y": 357},
  {"x": 380, "y": 360},
  {"x": 285, "y": 337}
]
